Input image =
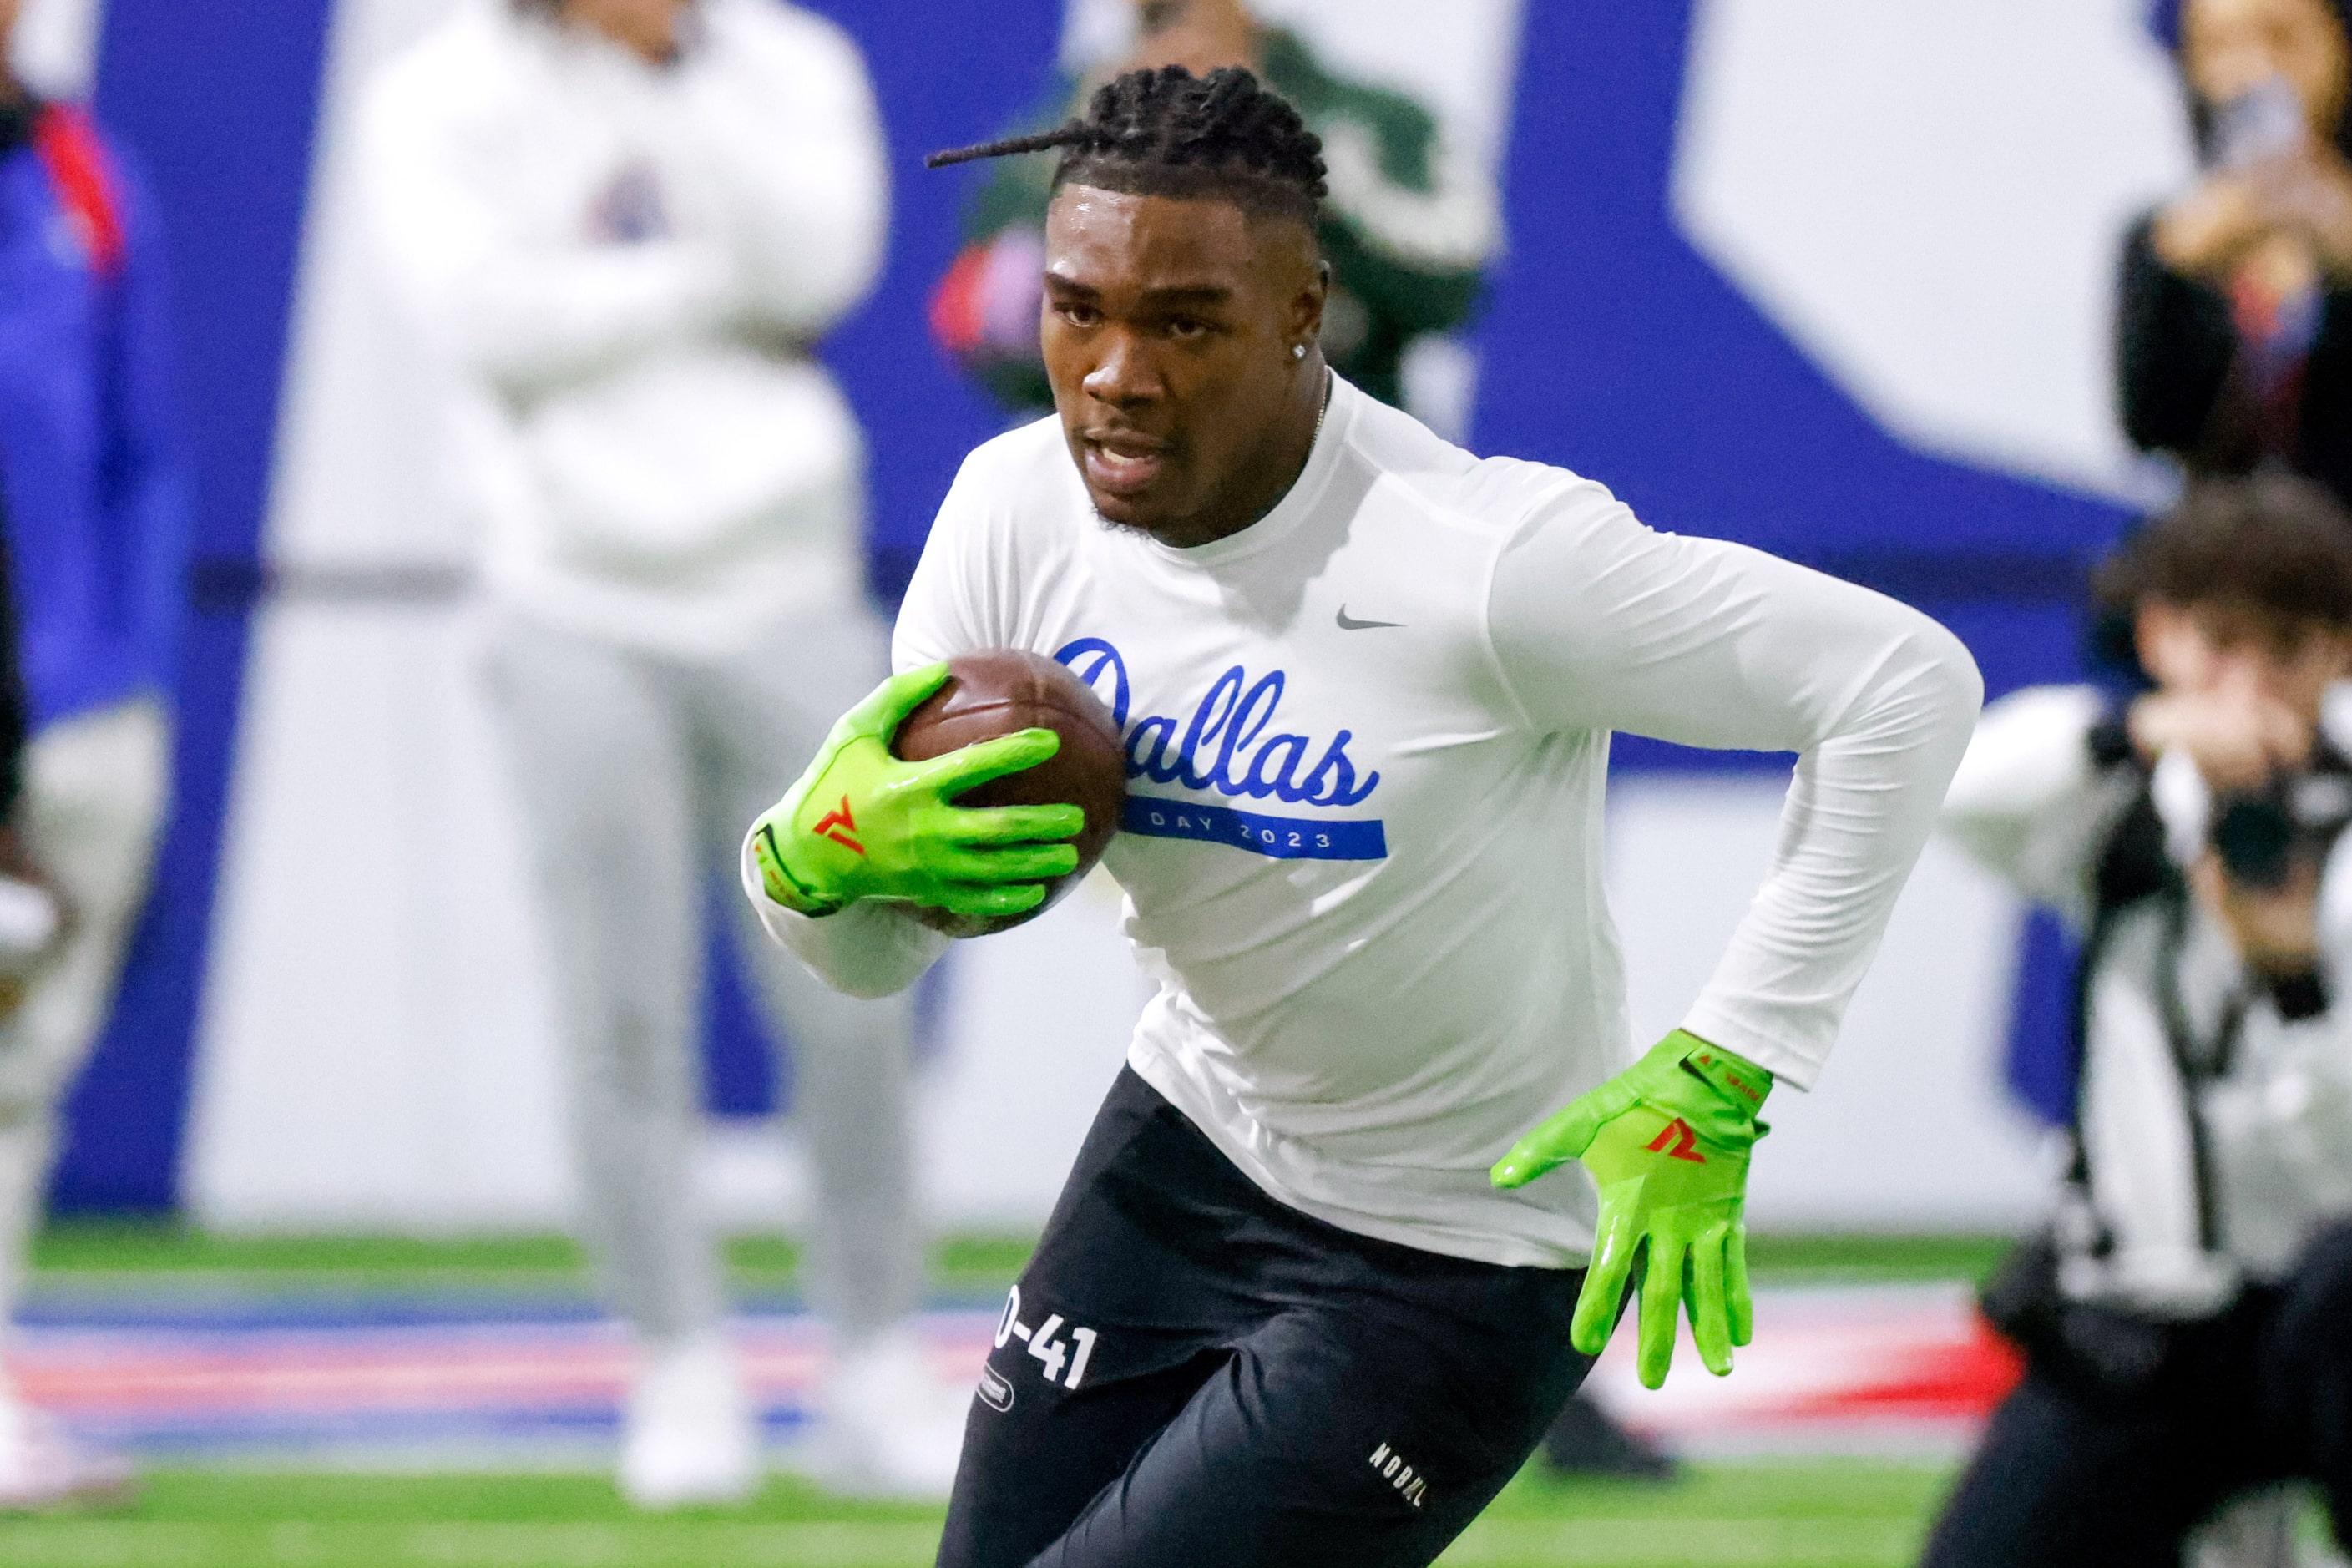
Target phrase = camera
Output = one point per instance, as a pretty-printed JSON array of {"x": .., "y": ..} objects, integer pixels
[{"x": 2257, "y": 833}]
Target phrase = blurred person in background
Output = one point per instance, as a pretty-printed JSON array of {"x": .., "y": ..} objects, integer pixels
[
  {"x": 97, "y": 532},
  {"x": 40, "y": 1467},
  {"x": 2234, "y": 330},
  {"x": 626, "y": 222},
  {"x": 1411, "y": 222},
  {"x": 2187, "y": 1318}
]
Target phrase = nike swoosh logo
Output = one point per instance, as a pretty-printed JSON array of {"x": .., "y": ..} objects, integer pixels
[{"x": 1349, "y": 624}]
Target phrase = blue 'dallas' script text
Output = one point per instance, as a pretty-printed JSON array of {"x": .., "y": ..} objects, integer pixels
[{"x": 1224, "y": 744}]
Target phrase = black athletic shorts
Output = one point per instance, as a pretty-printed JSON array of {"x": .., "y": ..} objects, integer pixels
[{"x": 1194, "y": 1375}]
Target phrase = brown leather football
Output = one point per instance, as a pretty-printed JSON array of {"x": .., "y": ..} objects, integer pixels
[{"x": 997, "y": 691}]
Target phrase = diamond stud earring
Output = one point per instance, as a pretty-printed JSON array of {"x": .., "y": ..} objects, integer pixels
[{"x": 1298, "y": 350}]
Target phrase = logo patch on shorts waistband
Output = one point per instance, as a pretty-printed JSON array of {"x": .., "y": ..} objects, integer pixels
[
  {"x": 995, "y": 1392},
  {"x": 1391, "y": 1464}
]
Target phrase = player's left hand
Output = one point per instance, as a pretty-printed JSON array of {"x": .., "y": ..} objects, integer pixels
[{"x": 1667, "y": 1142}]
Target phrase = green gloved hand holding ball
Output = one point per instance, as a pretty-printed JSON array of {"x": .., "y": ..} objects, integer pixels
[{"x": 861, "y": 824}]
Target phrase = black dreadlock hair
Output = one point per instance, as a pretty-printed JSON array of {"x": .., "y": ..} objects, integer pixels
[{"x": 1167, "y": 133}]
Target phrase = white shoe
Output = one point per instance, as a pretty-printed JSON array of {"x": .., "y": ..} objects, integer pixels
[
  {"x": 891, "y": 1427},
  {"x": 42, "y": 1469},
  {"x": 688, "y": 1435}
]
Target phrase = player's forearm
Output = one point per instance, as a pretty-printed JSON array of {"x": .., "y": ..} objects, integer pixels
[
  {"x": 1859, "y": 811},
  {"x": 870, "y": 949},
  {"x": 1599, "y": 622}
]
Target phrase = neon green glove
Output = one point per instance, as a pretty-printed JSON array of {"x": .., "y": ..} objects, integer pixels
[
  {"x": 863, "y": 825},
  {"x": 1667, "y": 1142}
]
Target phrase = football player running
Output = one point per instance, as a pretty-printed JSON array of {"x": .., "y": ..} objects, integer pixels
[{"x": 1305, "y": 1298}]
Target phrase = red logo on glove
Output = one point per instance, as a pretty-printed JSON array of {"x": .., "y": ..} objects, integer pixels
[
  {"x": 1685, "y": 1142},
  {"x": 838, "y": 826}
]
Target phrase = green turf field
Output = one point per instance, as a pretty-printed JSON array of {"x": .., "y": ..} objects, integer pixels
[
  {"x": 128, "y": 1254},
  {"x": 125, "y": 1253},
  {"x": 1822, "y": 1515}
]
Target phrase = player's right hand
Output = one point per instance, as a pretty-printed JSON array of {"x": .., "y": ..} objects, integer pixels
[{"x": 860, "y": 824}]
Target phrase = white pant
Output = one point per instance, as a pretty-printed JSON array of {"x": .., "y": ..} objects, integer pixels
[
  {"x": 95, "y": 789},
  {"x": 639, "y": 775}
]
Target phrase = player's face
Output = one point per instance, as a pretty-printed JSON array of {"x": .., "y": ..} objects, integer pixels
[{"x": 1171, "y": 332}]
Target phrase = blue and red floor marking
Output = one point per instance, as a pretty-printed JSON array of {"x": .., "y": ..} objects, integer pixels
[
  {"x": 405, "y": 1379},
  {"x": 491, "y": 1381}
]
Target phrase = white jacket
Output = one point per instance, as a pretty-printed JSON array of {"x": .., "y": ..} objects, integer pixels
[
  {"x": 626, "y": 265},
  {"x": 2029, "y": 803}
]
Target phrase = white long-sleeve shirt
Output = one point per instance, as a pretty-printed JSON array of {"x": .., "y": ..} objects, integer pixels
[
  {"x": 1368, "y": 740},
  {"x": 2031, "y": 804},
  {"x": 626, "y": 264}
]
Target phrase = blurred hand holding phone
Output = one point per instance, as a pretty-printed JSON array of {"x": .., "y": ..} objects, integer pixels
[
  {"x": 2271, "y": 221},
  {"x": 2261, "y": 125}
]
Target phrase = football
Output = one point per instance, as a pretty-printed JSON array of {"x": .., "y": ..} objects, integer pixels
[{"x": 997, "y": 691}]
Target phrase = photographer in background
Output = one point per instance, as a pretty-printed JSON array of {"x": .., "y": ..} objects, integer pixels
[
  {"x": 2184, "y": 1319},
  {"x": 2234, "y": 321}
]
